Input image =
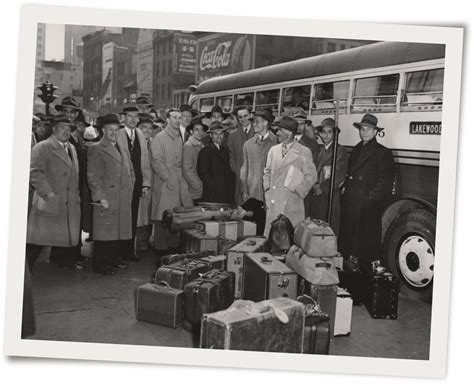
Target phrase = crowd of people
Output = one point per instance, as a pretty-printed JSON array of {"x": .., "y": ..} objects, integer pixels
[{"x": 115, "y": 179}]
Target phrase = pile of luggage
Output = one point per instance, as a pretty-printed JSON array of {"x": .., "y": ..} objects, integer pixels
[{"x": 239, "y": 291}]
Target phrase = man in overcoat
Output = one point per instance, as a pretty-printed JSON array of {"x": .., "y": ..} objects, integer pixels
[
  {"x": 255, "y": 154},
  {"x": 191, "y": 150},
  {"x": 288, "y": 176},
  {"x": 320, "y": 201},
  {"x": 214, "y": 170},
  {"x": 235, "y": 142},
  {"x": 134, "y": 143},
  {"x": 367, "y": 187},
  {"x": 170, "y": 189},
  {"x": 111, "y": 180},
  {"x": 55, "y": 215}
]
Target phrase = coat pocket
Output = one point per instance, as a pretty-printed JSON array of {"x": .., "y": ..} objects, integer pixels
[{"x": 48, "y": 207}]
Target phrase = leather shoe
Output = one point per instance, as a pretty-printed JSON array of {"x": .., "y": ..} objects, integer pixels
[{"x": 122, "y": 265}]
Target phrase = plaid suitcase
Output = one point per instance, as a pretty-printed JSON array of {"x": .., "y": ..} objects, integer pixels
[{"x": 179, "y": 274}]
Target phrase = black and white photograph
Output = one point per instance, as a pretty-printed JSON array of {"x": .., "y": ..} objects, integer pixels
[{"x": 213, "y": 190}]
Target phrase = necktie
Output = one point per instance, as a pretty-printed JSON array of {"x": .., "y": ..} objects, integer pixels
[
  {"x": 68, "y": 151},
  {"x": 285, "y": 149},
  {"x": 132, "y": 138}
]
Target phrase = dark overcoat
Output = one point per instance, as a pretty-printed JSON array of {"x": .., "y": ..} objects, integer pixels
[
  {"x": 55, "y": 221},
  {"x": 366, "y": 190},
  {"x": 110, "y": 176},
  {"x": 213, "y": 168}
]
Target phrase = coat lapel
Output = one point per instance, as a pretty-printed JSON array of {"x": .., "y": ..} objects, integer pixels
[
  {"x": 59, "y": 151},
  {"x": 292, "y": 155},
  {"x": 110, "y": 150},
  {"x": 364, "y": 156}
]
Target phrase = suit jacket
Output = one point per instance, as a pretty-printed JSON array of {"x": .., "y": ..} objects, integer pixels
[
  {"x": 191, "y": 150},
  {"x": 55, "y": 221},
  {"x": 213, "y": 168},
  {"x": 169, "y": 190},
  {"x": 111, "y": 177},
  {"x": 278, "y": 198},
  {"x": 255, "y": 154},
  {"x": 324, "y": 161},
  {"x": 145, "y": 162}
]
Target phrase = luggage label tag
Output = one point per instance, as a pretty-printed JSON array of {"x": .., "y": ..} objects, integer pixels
[
  {"x": 284, "y": 281},
  {"x": 238, "y": 260},
  {"x": 279, "y": 313}
]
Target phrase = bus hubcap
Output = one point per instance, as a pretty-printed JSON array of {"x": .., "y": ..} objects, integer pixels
[{"x": 416, "y": 261}]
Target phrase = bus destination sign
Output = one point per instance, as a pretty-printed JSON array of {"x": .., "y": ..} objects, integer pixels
[{"x": 425, "y": 128}]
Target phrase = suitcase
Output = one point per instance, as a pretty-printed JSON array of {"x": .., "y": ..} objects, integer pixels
[
  {"x": 159, "y": 304},
  {"x": 235, "y": 258},
  {"x": 218, "y": 262},
  {"x": 326, "y": 297},
  {"x": 179, "y": 274},
  {"x": 171, "y": 259},
  {"x": 181, "y": 218},
  {"x": 316, "y": 238},
  {"x": 264, "y": 278},
  {"x": 270, "y": 326},
  {"x": 316, "y": 337},
  {"x": 223, "y": 245},
  {"x": 343, "y": 317},
  {"x": 232, "y": 230},
  {"x": 193, "y": 240},
  {"x": 212, "y": 292},
  {"x": 381, "y": 299},
  {"x": 281, "y": 234}
]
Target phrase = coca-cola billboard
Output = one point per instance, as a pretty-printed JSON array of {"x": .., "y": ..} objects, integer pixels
[{"x": 224, "y": 53}]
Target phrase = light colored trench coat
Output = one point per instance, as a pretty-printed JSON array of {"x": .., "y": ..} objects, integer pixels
[
  {"x": 278, "y": 198},
  {"x": 110, "y": 176},
  {"x": 57, "y": 222},
  {"x": 169, "y": 189}
]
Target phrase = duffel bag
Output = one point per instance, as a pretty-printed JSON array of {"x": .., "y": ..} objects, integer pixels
[
  {"x": 316, "y": 238},
  {"x": 316, "y": 270}
]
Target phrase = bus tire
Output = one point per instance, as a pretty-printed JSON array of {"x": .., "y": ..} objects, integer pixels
[{"x": 409, "y": 248}]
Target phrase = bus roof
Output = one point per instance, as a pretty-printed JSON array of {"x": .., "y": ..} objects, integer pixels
[{"x": 374, "y": 55}]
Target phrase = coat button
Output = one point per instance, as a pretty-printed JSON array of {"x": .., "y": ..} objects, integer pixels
[
  {"x": 350, "y": 177},
  {"x": 273, "y": 201}
]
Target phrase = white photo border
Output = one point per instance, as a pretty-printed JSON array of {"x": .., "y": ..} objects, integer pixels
[{"x": 435, "y": 367}]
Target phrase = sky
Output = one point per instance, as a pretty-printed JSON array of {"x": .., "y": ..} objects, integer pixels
[{"x": 54, "y": 42}]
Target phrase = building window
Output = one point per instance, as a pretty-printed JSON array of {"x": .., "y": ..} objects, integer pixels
[
  {"x": 343, "y": 46},
  {"x": 331, "y": 47}
]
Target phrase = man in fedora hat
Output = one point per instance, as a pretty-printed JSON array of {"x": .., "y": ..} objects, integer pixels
[
  {"x": 170, "y": 189},
  {"x": 235, "y": 142},
  {"x": 111, "y": 180},
  {"x": 69, "y": 107},
  {"x": 187, "y": 113},
  {"x": 134, "y": 142},
  {"x": 214, "y": 170},
  {"x": 288, "y": 176},
  {"x": 191, "y": 150},
  {"x": 367, "y": 187},
  {"x": 144, "y": 104},
  {"x": 55, "y": 216},
  {"x": 320, "y": 193},
  {"x": 255, "y": 152}
]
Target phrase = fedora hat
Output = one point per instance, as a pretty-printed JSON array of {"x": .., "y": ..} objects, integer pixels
[
  {"x": 60, "y": 118},
  {"x": 368, "y": 120},
  {"x": 216, "y": 126},
  {"x": 69, "y": 102},
  {"x": 301, "y": 115},
  {"x": 288, "y": 123},
  {"x": 143, "y": 100},
  {"x": 81, "y": 119},
  {"x": 111, "y": 119},
  {"x": 328, "y": 122},
  {"x": 130, "y": 108},
  {"x": 197, "y": 121},
  {"x": 265, "y": 114},
  {"x": 145, "y": 118},
  {"x": 217, "y": 108}
]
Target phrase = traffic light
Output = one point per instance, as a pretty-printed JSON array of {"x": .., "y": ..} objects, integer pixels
[{"x": 47, "y": 95}]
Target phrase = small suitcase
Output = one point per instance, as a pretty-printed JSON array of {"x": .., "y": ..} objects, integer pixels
[
  {"x": 326, "y": 297},
  {"x": 193, "y": 240},
  {"x": 316, "y": 238},
  {"x": 218, "y": 262},
  {"x": 235, "y": 258},
  {"x": 179, "y": 274},
  {"x": 212, "y": 292},
  {"x": 381, "y": 299},
  {"x": 270, "y": 326},
  {"x": 316, "y": 328},
  {"x": 232, "y": 230},
  {"x": 171, "y": 259},
  {"x": 264, "y": 278},
  {"x": 159, "y": 304},
  {"x": 343, "y": 317}
]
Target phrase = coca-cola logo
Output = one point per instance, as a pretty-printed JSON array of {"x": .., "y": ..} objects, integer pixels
[{"x": 218, "y": 58}]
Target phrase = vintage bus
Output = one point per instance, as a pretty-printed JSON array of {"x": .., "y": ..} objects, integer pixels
[{"x": 400, "y": 83}]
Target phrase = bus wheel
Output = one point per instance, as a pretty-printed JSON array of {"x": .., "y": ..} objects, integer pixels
[{"x": 409, "y": 252}]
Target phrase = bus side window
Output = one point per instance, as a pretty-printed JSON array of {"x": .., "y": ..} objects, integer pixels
[
  {"x": 225, "y": 102},
  {"x": 423, "y": 90},
  {"x": 326, "y": 94},
  {"x": 206, "y": 105},
  {"x": 244, "y": 99},
  {"x": 295, "y": 99},
  {"x": 266, "y": 99},
  {"x": 195, "y": 105},
  {"x": 376, "y": 94}
]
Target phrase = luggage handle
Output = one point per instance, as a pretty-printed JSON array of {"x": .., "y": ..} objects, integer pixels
[
  {"x": 162, "y": 284},
  {"x": 251, "y": 242},
  {"x": 323, "y": 265},
  {"x": 279, "y": 313},
  {"x": 266, "y": 260}
]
